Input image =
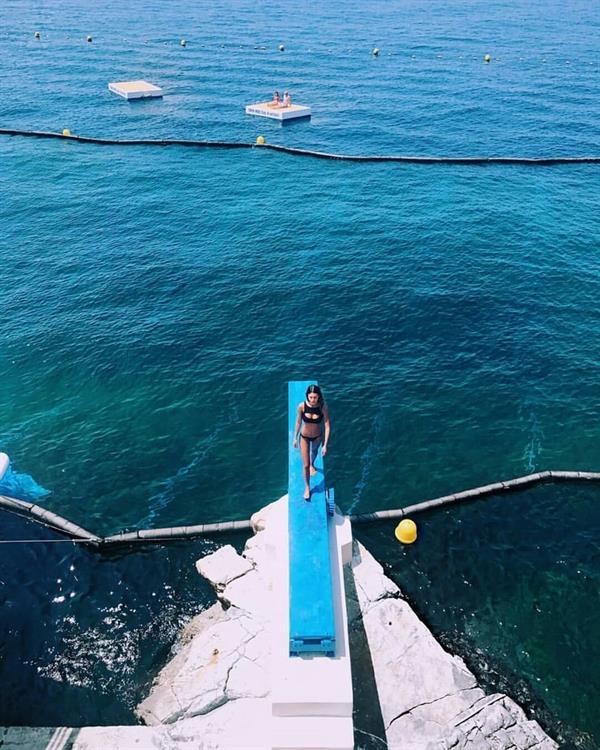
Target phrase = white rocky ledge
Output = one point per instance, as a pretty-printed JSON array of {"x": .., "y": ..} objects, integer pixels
[
  {"x": 216, "y": 693},
  {"x": 429, "y": 699}
]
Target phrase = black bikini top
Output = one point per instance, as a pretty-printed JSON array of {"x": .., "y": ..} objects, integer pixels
[{"x": 312, "y": 410}]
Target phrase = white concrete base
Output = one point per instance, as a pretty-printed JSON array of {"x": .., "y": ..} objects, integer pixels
[
  {"x": 312, "y": 694},
  {"x": 278, "y": 111},
  {"x": 313, "y": 685},
  {"x": 306, "y": 733},
  {"x": 135, "y": 89},
  {"x": 343, "y": 530}
]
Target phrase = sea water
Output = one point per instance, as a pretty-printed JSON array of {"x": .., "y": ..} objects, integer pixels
[{"x": 157, "y": 300}]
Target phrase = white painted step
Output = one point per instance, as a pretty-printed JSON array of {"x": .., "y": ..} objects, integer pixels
[
  {"x": 315, "y": 685},
  {"x": 312, "y": 733}
]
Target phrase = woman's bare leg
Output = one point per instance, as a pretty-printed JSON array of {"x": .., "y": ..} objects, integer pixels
[
  {"x": 314, "y": 450},
  {"x": 306, "y": 463}
]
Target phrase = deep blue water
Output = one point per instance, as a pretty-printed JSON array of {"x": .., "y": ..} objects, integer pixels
[{"x": 156, "y": 301}]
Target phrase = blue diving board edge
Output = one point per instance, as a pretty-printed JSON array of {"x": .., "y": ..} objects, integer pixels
[{"x": 312, "y": 621}]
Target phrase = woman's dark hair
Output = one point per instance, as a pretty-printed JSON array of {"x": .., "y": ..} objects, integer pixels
[{"x": 317, "y": 390}]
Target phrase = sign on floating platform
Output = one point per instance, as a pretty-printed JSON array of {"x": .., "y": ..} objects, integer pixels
[
  {"x": 312, "y": 623},
  {"x": 135, "y": 89},
  {"x": 278, "y": 111}
]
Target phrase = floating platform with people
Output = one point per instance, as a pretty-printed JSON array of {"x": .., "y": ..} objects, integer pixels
[{"x": 279, "y": 108}]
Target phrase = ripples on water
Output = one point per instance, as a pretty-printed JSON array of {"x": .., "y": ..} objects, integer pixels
[
  {"x": 157, "y": 301},
  {"x": 82, "y": 634}
]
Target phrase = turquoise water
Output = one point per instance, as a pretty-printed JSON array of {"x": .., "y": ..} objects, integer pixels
[{"x": 157, "y": 301}]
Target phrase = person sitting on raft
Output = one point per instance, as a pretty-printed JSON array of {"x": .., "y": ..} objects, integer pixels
[
  {"x": 287, "y": 100},
  {"x": 276, "y": 100},
  {"x": 312, "y": 413}
]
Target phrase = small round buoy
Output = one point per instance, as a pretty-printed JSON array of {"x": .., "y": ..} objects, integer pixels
[
  {"x": 375, "y": 51},
  {"x": 281, "y": 48},
  {"x": 487, "y": 58},
  {"x": 260, "y": 141},
  {"x": 406, "y": 531},
  {"x": 182, "y": 42},
  {"x": 37, "y": 35},
  {"x": 88, "y": 39},
  {"x": 66, "y": 132}
]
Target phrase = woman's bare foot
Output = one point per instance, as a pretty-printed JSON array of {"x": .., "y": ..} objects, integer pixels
[
  {"x": 313, "y": 471},
  {"x": 307, "y": 493}
]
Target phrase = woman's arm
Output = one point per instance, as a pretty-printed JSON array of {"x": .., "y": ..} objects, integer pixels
[
  {"x": 298, "y": 422},
  {"x": 327, "y": 430}
]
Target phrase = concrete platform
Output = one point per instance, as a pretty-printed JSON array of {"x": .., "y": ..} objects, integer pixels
[
  {"x": 315, "y": 689},
  {"x": 278, "y": 111},
  {"x": 135, "y": 89},
  {"x": 305, "y": 733},
  {"x": 316, "y": 685}
]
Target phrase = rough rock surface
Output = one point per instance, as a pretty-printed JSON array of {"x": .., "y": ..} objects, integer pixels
[
  {"x": 223, "y": 567},
  {"x": 222, "y": 662},
  {"x": 236, "y": 725},
  {"x": 429, "y": 700},
  {"x": 224, "y": 653}
]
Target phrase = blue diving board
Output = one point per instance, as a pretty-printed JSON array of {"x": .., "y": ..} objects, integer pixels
[{"x": 312, "y": 624}]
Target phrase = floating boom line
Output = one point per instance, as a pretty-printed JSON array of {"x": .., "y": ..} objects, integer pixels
[
  {"x": 77, "y": 533},
  {"x": 539, "y": 161}
]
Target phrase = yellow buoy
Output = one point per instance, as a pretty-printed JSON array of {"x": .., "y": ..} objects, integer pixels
[
  {"x": 66, "y": 132},
  {"x": 37, "y": 35},
  {"x": 88, "y": 39},
  {"x": 487, "y": 58},
  {"x": 182, "y": 42},
  {"x": 260, "y": 141},
  {"x": 406, "y": 531},
  {"x": 375, "y": 51}
]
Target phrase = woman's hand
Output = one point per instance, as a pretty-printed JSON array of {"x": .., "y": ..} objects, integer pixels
[
  {"x": 295, "y": 442},
  {"x": 324, "y": 450}
]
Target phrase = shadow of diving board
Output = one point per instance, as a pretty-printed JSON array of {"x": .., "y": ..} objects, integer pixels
[{"x": 312, "y": 622}]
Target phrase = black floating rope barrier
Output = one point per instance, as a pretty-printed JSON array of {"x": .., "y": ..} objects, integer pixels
[
  {"x": 81, "y": 535},
  {"x": 47, "y": 518},
  {"x": 124, "y": 142},
  {"x": 477, "y": 493},
  {"x": 541, "y": 161}
]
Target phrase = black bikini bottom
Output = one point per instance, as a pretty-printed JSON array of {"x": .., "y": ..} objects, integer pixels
[{"x": 311, "y": 439}]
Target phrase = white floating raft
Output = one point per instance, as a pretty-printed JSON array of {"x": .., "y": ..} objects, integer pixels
[
  {"x": 135, "y": 89},
  {"x": 278, "y": 111}
]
